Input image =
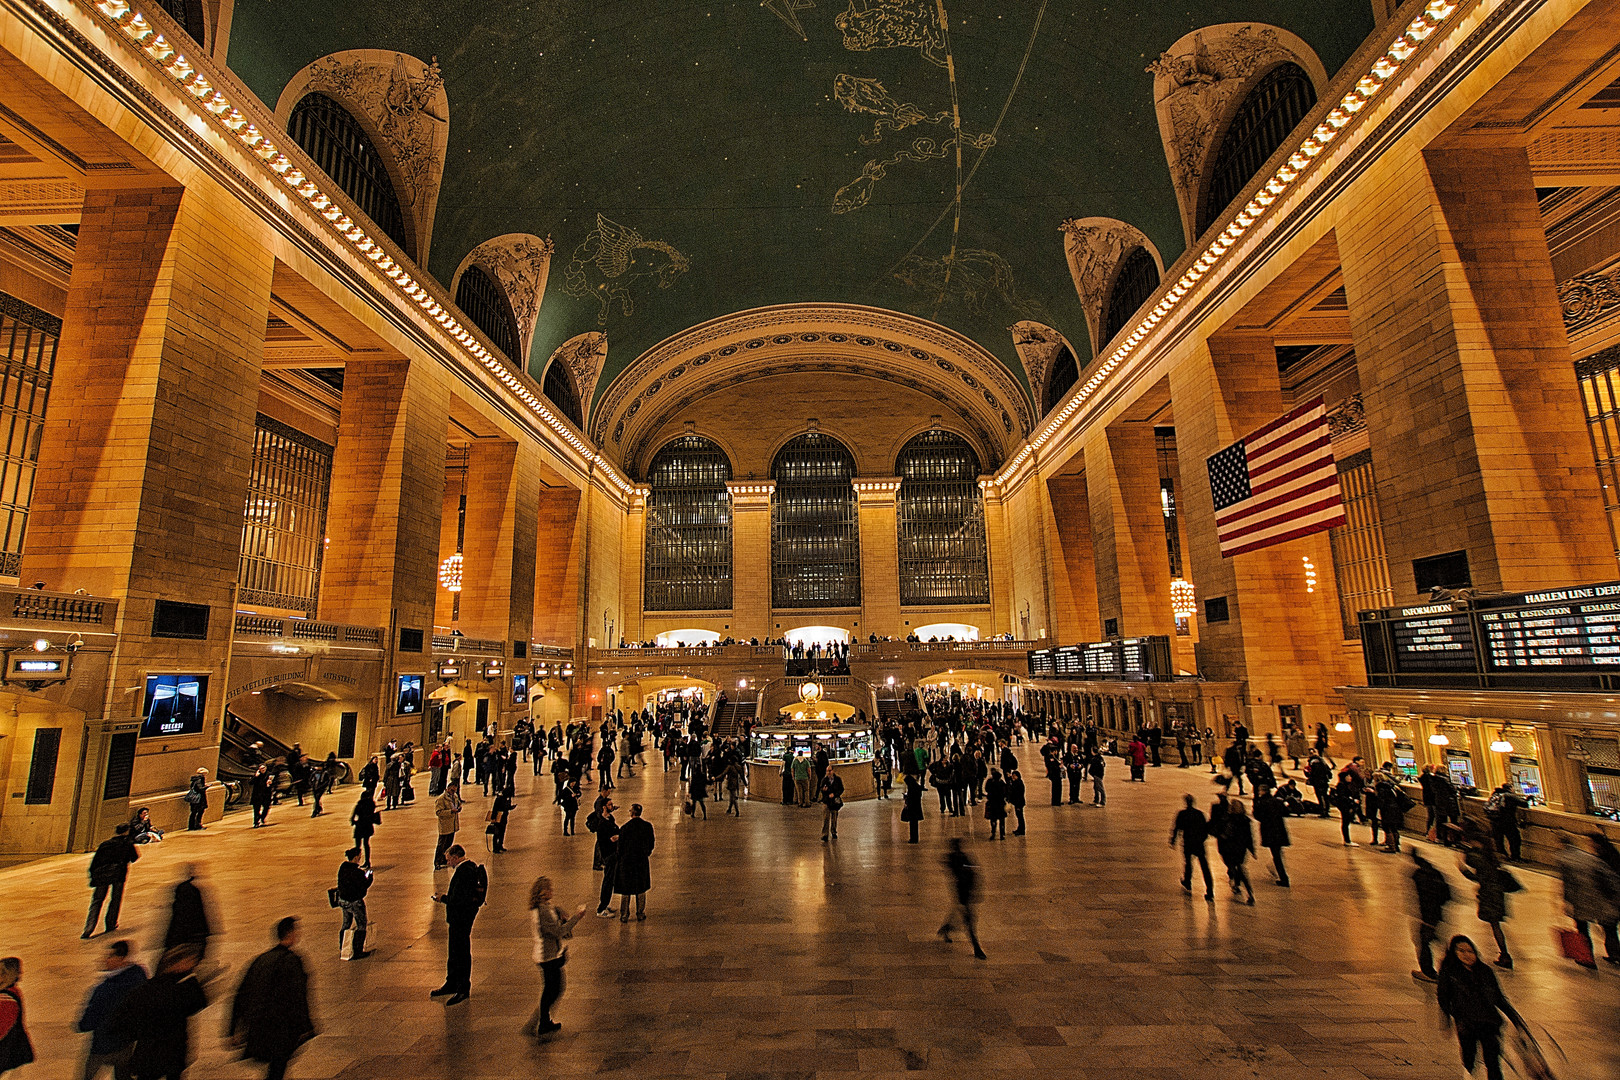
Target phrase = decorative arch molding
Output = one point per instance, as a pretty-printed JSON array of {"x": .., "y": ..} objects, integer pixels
[
  {"x": 836, "y": 338},
  {"x": 583, "y": 355},
  {"x": 907, "y": 434},
  {"x": 1200, "y": 82},
  {"x": 519, "y": 263},
  {"x": 1038, "y": 346},
  {"x": 1096, "y": 247},
  {"x": 400, "y": 103}
]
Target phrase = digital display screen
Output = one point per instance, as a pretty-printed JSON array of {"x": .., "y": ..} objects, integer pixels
[
  {"x": 175, "y": 705},
  {"x": 1138, "y": 658},
  {"x": 520, "y": 689},
  {"x": 409, "y": 701},
  {"x": 1433, "y": 638},
  {"x": 1581, "y": 636}
]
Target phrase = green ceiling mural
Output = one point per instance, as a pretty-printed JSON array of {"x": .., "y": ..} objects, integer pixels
[{"x": 694, "y": 159}]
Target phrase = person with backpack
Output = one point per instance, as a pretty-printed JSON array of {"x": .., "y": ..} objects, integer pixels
[
  {"x": 1433, "y": 894},
  {"x": 109, "y": 867},
  {"x": 1502, "y": 811},
  {"x": 469, "y": 885},
  {"x": 606, "y": 855}
]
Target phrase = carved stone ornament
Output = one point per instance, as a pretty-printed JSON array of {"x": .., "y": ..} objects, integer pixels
[
  {"x": 1095, "y": 247},
  {"x": 1589, "y": 299},
  {"x": 519, "y": 263},
  {"x": 1037, "y": 345},
  {"x": 402, "y": 105},
  {"x": 584, "y": 355},
  {"x": 1198, "y": 84}
]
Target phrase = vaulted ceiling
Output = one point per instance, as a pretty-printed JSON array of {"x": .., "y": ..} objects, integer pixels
[{"x": 691, "y": 160}]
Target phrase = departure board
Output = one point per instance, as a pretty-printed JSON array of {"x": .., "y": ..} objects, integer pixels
[
  {"x": 1432, "y": 638},
  {"x": 1571, "y": 629},
  {"x": 1145, "y": 658},
  {"x": 1102, "y": 659}
]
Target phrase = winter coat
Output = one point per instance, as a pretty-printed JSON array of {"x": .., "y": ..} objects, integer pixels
[
  {"x": 634, "y": 874},
  {"x": 995, "y": 799},
  {"x": 1471, "y": 995},
  {"x": 188, "y": 921},
  {"x": 1236, "y": 839},
  {"x": 912, "y": 810},
  {"x": 156, "y": 1017},
  {"x": 272, "y": 1006},
  {"x": 1268, "y": 811},
  {"x": 447, "y": 808},
  {"x": 1591, "y": 889}
]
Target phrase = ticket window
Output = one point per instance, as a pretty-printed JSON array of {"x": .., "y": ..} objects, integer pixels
[
  {"x": 1525, "y": 773},
  {"x": 1460, "y": 764},
  {"x": 1603, "y": 775},
  {"x": 1405, "y": 758}
]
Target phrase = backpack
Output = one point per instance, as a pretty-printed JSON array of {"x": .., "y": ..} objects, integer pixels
[{"x": 1495, "y": 804}]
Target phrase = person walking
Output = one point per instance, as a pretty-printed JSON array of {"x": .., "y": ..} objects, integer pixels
[
  {"x": 1320, "y": 778},
  {"x": 1235, "y": 842},
  {"x": 697, "y": 788},
  {"x": 447, "y": 809},
  {"x": 1472, "y": 999},
  {"x": 965, "y": 892},
  {"x": 832, "y": 799},
  {"x": 321, "y": 778},
  {"x": 1480, "y": 866},
  {"x": 261, "y": 794},
  {"x": 1137, "y": 753},
  {"x": 364, "y": 821},
  {"x": 1016, "y": 798},
  {"x": 733, "y": 780},
  {"x": 1193, "y": 828},
  {"x": 197, "y": 800},
  {"x": 188, "y": 913},
  {"x": 1273, "y": 818},
  {"x": 632, "y": 876},
  {"x": 995, "y": 803},
  {"x": 552, "y": 929},
  {"x": 911, "y": 811},
  {"x": 568, "y": 799},
  {"x": 1591, "y": 895},
  {"x": 109, "y": 867},
  {"x": 270, "y": 1013},
  {"x": 156, "y": 1016},
  {"x": 469, "y": 884},
  {"x": 500, "y": 814},
  {"x": 1502, "y": 811},
  {"x": 15, "y": 1048},
  {"x": 353, "y": 882},
  {"x": 1433, "y": 894},
  {"x": 108, "y": 1050}
]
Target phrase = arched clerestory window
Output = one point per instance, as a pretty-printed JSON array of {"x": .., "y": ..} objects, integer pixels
[
  {"x": 1276, "y": 105},
  {"x": 331, "y": 135},
  {"x": 815, "y": 535},
  {"x": 189, "y": 14},
  {"x": 939, "y": 516},
  {"x": 1135, "y": 282},
  {"x": 558, "y": 387},
  {"x": 1061, "y": 379},
  {"x": 485, "y": 303},
  {"x": 688, "y": 558}
]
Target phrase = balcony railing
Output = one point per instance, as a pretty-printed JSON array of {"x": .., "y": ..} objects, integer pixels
[
  {"x": 549, "y": 652},
  {"x": 455, "y": 643},
  {"x": 308, "y": 630},
  {"x": 60, "y": 609}
]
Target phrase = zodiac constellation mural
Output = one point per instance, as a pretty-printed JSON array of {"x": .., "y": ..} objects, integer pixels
[
  {"x": 788, "y": 12},
  {"x": 979, "y": 280},
  {"x": 868, "y": 96},
  {"x": 895, "y": 24},
  {"x": 611, "y": 259}
]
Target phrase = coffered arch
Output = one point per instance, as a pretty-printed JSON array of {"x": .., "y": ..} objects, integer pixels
[{"x": 976, "y": 395}]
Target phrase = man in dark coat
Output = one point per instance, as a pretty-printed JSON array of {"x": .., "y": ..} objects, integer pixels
[
  {"x": 633, "y": 876},
  {"x": 109, "y": 867},
  {"x": 1193, "y": 828},
  {"x": 270, "y": 1016},
  {"x": 1016, "y": 797},
  {"x": 1433, "y": 894},
  {"x": 107, "y": 1048},
  {"x": 156, "y": 1016},
  {"x": 1272, "y": 816},
  {"x": 188, "y": 919},
  {"x": 468, "y": 884},
  {"x": 261, "y": 789}
]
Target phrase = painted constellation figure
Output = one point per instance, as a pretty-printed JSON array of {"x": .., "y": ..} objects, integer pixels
[
  {"x": 980, "y": 280},
  {"x": 611, "y": 259},
  {"x": 860, "y": 95},
  {"x": 894, "y": 24},
  {"x": 868, "y": 96},
  {"x": 788, "y": 12}
]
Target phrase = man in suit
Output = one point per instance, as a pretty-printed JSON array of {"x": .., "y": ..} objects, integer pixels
[
  {"x": 109, "y": 867},
  {"x": 461, "y": 901}
]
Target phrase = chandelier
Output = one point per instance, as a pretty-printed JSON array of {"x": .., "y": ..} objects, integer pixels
[
  {"x": 1183, "y": 598},
  {"x": 450, "y": 573}
]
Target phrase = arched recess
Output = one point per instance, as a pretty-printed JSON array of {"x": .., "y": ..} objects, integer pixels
[
  {"x": 482, "y": 300},
  {"x": 815, "y": 532},
  {"x": 400, "y": 104},
  {"x": 1039, "y": 347},
  {"x": 1199, "y": 85},
  {"x": 1098, "y": 248},
  {"x": 206, "y": 22},
  {"x": 939, "y": 522},
  {"x": 519, "y": 263},
  {"x": 1061, "y": 378},
  {"x": 688, "y": 547},
  {"x": 559, "y": 388},
  {"x": 580, "y": 360}
]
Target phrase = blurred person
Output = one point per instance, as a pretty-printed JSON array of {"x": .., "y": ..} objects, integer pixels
[
  {"x": 188, "y": 913},
  {"x": 965, "y": 893},
  {"x": 108, "y": 1050},
  {"x": 552, "y": 930},
  {"x": 1433, "y": 894},
  {"x": 270, "y": 1013},
  {"x": 15, "y": 1048},
  {"x": 1471, "y": 998},
  {"x": 1193, "y": 828},
  {"x": 156, "y": 1016}
]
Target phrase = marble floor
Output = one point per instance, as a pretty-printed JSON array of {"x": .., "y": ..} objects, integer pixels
[{"x": 769, "y": 954}]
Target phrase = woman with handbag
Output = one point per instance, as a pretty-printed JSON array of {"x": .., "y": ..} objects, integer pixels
[{"x": 552, "y": 929}]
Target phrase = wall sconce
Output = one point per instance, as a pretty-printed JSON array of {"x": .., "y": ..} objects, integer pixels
[
  {"x": 493, "y": 669},
  {"x": 1387, "y": 734},
  {"x": 1343, "y": 726},
  {"x": 1310, "y": 573},
  {"x": 1439, "y": 738},
  {"x": 1500, "y": 744}
]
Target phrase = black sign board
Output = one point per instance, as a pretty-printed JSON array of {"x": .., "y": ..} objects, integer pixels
[
  {"x": 1146, "y": 658},
  {"x": 1432, "y": 637}
]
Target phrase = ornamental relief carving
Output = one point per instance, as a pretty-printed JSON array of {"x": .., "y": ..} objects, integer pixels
[
  {"x": 1095, "y": 247},
  {"x": 584, "y": 356},
  {"x": 1037, "y": 345},
  {"x": 1589, "y": 299},
  {"x": 1198, "y": 84},
  {"x": 402, "y": 103},
  {"x": 519, "y": 263}
]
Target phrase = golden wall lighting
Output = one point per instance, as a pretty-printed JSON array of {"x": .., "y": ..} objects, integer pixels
[
  {"x": 450, "y": 573},
  {"x": 1310, "y": 573},
  {"x": 1386, "y": 734},
  {"x": 1343, "y": 726},
  {"x": 1439, "y": 738},
  {"x": 1183, "y": 598},
  {"x": 1500, "y": 744}
]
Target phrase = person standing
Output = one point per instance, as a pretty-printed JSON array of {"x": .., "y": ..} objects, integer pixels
[
  {"x": 733, "y": 779},
  {"x": 188, "y": 914},
  {"x": 364, "y": 822},
  {"x": 109, "y": 867},
  {"x": 107, "y": 1049},
  {"x": 568, "y": 798},
  {"x": 1471, "y": 998},
  {"x": 697, "y": 787},
  {"x": 1137, "y": 753},
  {"x": 1320, "y": 778},
  {"x": 1193, "y": 828},
  {"x": 1272, "y": 816},
  {"x": 500, "y": 813},
  {"x": 995, "y": 803},
  {"x": 353, "y": 882},
  {"x": 447, "y": 809},
  {"x": 632, "y": 876},
  {"x": 911, "y": 811},
  {"x": 270, "y": 1014},
  {"x": 832, "y": 799},
  {"x": 468, "y": 885},
  {"x": 552, "y": 929},
  {"x": 15, "y": 1048},
  {"x": 197, "y": 800},
  {"x": 1433, "y": 894},
  {"x": 1591, "y": 895},
  {"x": 1097, "y": 766},
  {"x": 156, "y": 1016},
  {"x": 261, "y": 792},
  {"x": 1502, "y": 811},
  {"x": 1235, "y": 842},
  {"x": 601, "y": 823},
  {"x": 801, "y": 779},
  {"x": 1016, "y": 797},
  {"x": 1052, "y": 754},
  {"x": 965, "y": 891}
]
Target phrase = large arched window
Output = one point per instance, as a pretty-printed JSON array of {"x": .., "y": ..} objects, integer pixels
[
  {"x": 1061, "y": 379},
  {"x": 688, "y": 564},
  {"x": 815, "y": 536},
  {"x": 189, "y": 14},
  {"x": 335, "y": 139},
  {"x": 940, "y": 519},
  {"x": 559, "y": 390},
  {"x": 1276, "y": 105},
  {"x": 1137, "y": 278},
  {"x": 485, "y": 303}
]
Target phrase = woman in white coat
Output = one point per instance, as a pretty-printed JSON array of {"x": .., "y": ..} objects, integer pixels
[{"x": 551, "y": 932}]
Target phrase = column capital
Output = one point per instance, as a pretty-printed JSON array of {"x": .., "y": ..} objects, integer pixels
[
  {"x": 750, "y": 494},
  {"x": 876, "y": 489}
]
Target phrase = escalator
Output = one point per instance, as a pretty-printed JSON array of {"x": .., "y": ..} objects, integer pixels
[{"x": 237, "y": 759}]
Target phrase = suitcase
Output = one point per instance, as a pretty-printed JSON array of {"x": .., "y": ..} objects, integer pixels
[{"x": 1575, "y": 947}]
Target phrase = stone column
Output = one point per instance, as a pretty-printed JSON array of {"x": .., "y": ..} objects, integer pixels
[
  {"x": 1127, "y": 530},
  {"x": 1001, "y": 573},
  {"x": 1465, "y": 368},
  {"x": 751, "y": 558},
  {"x": 1074, "y": 571},
  {"x": 880, "y": 556},
  {"x": 143, "y": 463},
  {"x": 633, "y": 567},
  {"x": 559, "y": 534}
]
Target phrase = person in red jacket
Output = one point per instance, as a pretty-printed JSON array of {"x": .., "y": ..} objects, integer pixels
[
  {"x": 1137, "y": 752},
  {"x": 15, "y": 1049}
]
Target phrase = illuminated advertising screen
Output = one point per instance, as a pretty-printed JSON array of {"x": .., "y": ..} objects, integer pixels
[
  {"x": 520, "y": 689},
  {"x": 409, "y": 701},
  {"x": 175, "y": 705}
]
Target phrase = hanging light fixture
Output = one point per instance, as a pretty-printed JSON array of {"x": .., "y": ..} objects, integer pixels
[
  {"x": 1500, "y": 744},
  {"x": 1439, "y": 738},
  {"x": 1387, "y": 734},
  {"x": 450, "y": 573},
  {"x": 1343, "y": 726},
  {"x": 1183, "y": 598}
]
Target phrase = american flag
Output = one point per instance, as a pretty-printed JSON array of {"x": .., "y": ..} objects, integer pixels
[{"x": 1278, "y": 483}]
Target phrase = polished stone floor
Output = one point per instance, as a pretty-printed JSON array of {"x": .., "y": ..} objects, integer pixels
[{"x": 768, "y": 954}]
